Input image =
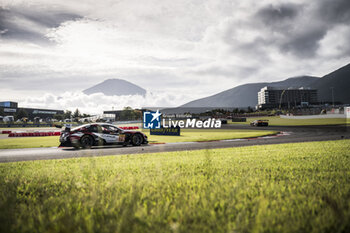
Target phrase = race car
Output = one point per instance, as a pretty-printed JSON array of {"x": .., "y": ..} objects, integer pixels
[
  {"x": 260, "y": 123},
  {"x": 98, "y": 134}
]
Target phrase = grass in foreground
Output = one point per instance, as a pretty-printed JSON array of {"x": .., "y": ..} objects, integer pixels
[
  {"x": 192, "y": 135},
  {"x": 301, "y": 187},
  {"x": 186, "y": 136},
  {"x": 29, "y": 142},
  {"x": 277, "y": 121}
]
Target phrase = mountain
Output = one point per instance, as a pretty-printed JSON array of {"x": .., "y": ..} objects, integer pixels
[
  {"x": 340, "y": 81},
  {"x": 116, "y": 87},
  {"x": 246, "y": 95}
]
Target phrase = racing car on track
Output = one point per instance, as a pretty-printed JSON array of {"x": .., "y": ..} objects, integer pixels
[
  {"x": 98, "y": 134},
  {"x": 259, "y": 123}
]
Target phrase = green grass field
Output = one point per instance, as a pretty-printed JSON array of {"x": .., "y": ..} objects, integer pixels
[
  {"x": 29, "y": 142},
  {"x": 277, "y": 121},
  {"x": 301, "y": 187},
  {"x": 192, "y": 135},
  {"x": 186, "y": 136}
]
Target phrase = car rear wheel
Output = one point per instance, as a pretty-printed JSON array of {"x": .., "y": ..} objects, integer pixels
[
  {"x": 136, "y": 140},
  {"x": 86, "y": 141}
]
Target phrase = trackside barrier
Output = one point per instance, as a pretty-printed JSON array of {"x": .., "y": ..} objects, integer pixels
[
  {"x": 35, "y": 134},
  {"x": 43, "y": 134},
  {"x": 6, "y": 132}
]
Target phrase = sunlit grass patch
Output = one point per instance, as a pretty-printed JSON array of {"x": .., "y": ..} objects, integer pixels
[
  {"x": 192, "y": 135},
  {"x": 300, "y": 187},
  {"x": 277, "y": 121}
]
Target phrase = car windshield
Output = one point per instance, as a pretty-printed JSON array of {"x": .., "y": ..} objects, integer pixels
[
  {"x": 111, "y": 127},
  {"x": 79, "y": 127}
]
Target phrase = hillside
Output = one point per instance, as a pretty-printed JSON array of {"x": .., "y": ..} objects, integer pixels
[
  {"x": 340, "y": 81},
  {"x": 246, "y": 95}
]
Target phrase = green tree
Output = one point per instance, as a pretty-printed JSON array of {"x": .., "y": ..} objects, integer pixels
[
  {"x": 58, "y": 117},
  {"x": 128, "y": 114},
  {"x": 76, "y": 113},
  {"x": 236, "y": 110},
  {"x": 21, "y": 113},
  {"x": 67, "y": 114}
]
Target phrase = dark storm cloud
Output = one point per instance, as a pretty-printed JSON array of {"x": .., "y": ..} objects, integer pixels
[
  {"x": 303, "y": 26},
  {"x": 30, "y": 24},
  {"x": 275, "y": 14},
  {"x": 283, "y": 19},
  {"x": 334, "y": 11},
  {"x": 304, "y": 44}
]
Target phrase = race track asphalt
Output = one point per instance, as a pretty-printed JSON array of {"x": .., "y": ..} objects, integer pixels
[{"x": 289, "y": 134}]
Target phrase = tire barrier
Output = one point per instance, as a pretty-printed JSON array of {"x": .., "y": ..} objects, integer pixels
[{"x": 34, "y": 134}]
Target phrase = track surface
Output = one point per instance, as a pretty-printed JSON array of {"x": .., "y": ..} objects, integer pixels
[{"x": 292, "y": 134}]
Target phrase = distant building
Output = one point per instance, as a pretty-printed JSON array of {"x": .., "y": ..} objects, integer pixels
[
  {"x": 123, "y": 115},
  {"x": 11, "y": 109},
  {"x": 271, "y": 97},
  {"x": 114, "y": 114}
]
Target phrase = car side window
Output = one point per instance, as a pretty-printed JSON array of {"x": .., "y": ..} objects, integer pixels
[
  {"x": 105, "y": 129},
  {"x": 93, "y": 129},
  {"x": 113, "y": 129}
]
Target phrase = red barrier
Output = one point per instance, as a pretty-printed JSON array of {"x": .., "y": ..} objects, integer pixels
[
  {"x": 6, "y": 132},
  {"x": 35, "y": 134}
]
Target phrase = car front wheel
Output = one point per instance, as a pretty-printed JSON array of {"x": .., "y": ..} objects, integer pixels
[{"x": 136, "y": 139}]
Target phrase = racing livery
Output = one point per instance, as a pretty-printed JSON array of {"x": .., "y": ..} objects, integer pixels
[
  {"x": 98, "y": 134},
  {"x": 260, "y": 123}
]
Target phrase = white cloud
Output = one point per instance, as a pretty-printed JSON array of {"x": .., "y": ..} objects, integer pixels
[
  {"x": 190, "y": 48},
  {"x": 336, "y": 42},
  {"x": 97, "y": 103}
]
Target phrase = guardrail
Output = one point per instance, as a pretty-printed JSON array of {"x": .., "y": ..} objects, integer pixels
[
  {"x": 35, "y": 134},
  {"x": 24, "y": 125},
  {"x": 324, "y": 116}
]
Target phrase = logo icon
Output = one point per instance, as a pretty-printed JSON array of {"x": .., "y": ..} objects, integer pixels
[{"x": 151, "y": 120}]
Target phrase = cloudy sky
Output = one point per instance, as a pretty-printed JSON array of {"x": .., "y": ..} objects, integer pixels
[{"x": 177, "y": 50}]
